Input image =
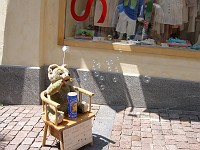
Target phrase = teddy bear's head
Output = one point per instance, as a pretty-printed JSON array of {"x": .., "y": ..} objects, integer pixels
[{"x": 56, "y": 73}]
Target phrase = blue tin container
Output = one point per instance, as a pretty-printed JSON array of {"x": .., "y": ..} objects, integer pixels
[{"x": 72, "y": 105}]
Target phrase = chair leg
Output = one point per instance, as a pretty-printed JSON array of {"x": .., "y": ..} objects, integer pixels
[
  {"x": 61, "y": 141},
  {"x": 45, "y": 134}
]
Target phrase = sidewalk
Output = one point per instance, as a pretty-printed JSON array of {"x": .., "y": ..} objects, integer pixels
[{"x": 114, "y": 128}]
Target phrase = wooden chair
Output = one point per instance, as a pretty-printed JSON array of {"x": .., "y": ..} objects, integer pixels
[{"x": 72, "y": 134}]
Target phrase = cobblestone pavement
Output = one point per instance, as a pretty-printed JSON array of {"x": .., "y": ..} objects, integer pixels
[{"x": 114, "y": 128}]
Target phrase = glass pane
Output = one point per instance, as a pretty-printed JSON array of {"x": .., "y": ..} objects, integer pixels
[{"x": 166, "y": 23}]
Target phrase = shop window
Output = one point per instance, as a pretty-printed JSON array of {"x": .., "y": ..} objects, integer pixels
[{"x": 116, "y": 24}]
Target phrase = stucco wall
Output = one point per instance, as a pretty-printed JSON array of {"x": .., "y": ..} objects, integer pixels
[
  {"x": 3, "y": 8},
  {"x": 22, "y": 33}
]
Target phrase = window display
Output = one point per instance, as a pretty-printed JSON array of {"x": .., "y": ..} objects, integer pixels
[{"x": 165, "y": 23}]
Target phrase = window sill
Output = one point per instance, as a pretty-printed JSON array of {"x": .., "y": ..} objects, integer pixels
[{"x": 187, "y": 53}]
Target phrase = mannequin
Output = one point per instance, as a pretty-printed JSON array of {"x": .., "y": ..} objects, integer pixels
[{"x": 129, "y": 12}]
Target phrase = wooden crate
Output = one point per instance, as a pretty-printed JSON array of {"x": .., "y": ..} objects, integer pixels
[{"x": 78, "y": 136}]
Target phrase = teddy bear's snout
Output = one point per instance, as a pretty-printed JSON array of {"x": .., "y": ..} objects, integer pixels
[{"x": 65, "y": 76}]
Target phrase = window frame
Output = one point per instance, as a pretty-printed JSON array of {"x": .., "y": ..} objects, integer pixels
[{"x": 158, "y": 50}]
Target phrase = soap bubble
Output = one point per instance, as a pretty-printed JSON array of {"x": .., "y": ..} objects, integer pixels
[
  {"x": 107, "y": 62},
  {"x": 98, "y": 65},
  {"x": 111, "y": 62},
  {"x": 115, "y": 80},
  {"x": 101, "y": 78},
  {"x": 117, "y": 58},
  {"x": 109, "y": 68},
  {"x": 96, "y": 74},
  {"x": 116, "y": 69},
  {"x": 93, "y": 68},
  {"x": 102, "y": 87},
  {"x": 146, "y": 79}
]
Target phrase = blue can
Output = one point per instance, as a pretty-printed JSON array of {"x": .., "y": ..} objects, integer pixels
[{"x": 72, "y": 105}]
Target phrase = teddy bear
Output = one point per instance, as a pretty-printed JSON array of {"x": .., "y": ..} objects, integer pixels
[{"x": 60, "y": 86}]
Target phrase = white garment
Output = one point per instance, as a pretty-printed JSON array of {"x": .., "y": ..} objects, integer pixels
[
  {"x": 111, "y": 5},
  {"x": 172, "y": 11},
  {"x": 193, "y": 11},
  {"x": 126, "y": 24},
  {"x": 158, "y": 17},
  {"x": 185, "y": 12}
]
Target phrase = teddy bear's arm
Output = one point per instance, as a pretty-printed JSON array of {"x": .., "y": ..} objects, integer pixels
[
  {"x": 72, "y": 89},
  {"x": 55, "y": 87}
]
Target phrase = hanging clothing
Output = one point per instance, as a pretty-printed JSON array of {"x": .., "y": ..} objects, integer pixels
[
  {"x": 172, "y": 11},
  {"x": 130, "y": 11},
  {"x": 185, "y": 11},
  {"x": 148, "y": 10},
  {"x": 111, "y": 5},
  {"x": 134, "y": 10},
  {"x": 193, "y": 12},
  {"x": 158, "y": 18}
]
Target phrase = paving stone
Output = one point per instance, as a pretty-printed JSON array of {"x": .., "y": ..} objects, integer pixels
[
  {"x": 171, "y": 147},
  {"x": 127, "y": 132},
  {"x": 8, "y": 138},
  {"x": 115, "y": 138},
  {"x": 23, "y": 147},
  {"x": 159, "y": 142},
  {"x": 28, "y": 141},
  {"x": 136, "y": 143},
  {"x": 114, "y": 148},
  {"x": 180, "y": 138},
  {"x": 3, "y": 144},
  {"x": 32, "y": 134},
  {"x": 37, "y": 129},
  {"x": 45, "y": 148},
  {"x": 192, "y": 140},
  {"x": 117, "y": 128},
  {"x": 125, "y": 144},
  {"x": 194, "y": 146},
  {"x": 22, "y": 133},
  {"x": 147, "y": 146},
  {"x": 11, "y": 147},
  {"x": 114, "y": 144},
  {"x": 27, "y": 128},
  {"x": 136, "y": 148},
  {"x": 17, "y": 128},
  {"x": 157, "y": 147},
  {"x": 36, "y": 144},
  {"x": 136, "y": 138}
]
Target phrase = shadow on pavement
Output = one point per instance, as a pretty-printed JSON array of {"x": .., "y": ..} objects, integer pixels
[{"x": 99, "y": 143}]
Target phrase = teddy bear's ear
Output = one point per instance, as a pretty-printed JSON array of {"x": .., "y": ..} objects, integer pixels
[
  {"x": 52, "y": 67},
  {"x": 64, "y": 65}
]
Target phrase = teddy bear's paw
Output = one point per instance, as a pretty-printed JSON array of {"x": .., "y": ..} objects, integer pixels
[
  {"x": 60, "y": 117},
  {"x": 82, "y": 107}
]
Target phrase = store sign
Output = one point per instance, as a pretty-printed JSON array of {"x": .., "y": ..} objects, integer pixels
[{"x": 87, "y": 11}]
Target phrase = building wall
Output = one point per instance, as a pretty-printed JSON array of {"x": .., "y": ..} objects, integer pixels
[
  {"x": 21, "y": 32},
  {"x": 3, "y": 8},
  {"x": 30, "y": 42}
]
